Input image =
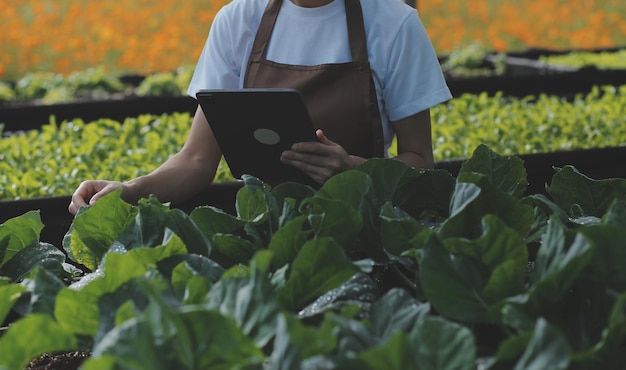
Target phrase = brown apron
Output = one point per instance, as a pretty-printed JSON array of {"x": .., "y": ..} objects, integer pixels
[{"x": 341, "y": 97}]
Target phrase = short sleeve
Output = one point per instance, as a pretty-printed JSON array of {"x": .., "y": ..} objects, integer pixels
[
  {"x": 414, "y": 80},
  {"x": 217, "y": 67}
]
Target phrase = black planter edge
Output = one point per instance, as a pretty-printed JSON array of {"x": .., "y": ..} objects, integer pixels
[
  {"x": 600, "y": 163},
  {"x": 29, "y": 117}
]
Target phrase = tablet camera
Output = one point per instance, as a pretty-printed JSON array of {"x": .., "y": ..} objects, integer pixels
[{"x": 266, "y": 136}]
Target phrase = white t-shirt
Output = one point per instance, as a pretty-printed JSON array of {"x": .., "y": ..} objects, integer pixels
[{"x": 405, "y": 68}]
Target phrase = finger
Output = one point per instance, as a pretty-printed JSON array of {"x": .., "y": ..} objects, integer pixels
[
  {"x": 85, "y": 193},
  {"x": 323, "y": 139},
  {"x": 79, "y": 198},
  {"x": 317, "y": 158},
  {"x": 73, "y": 208},
  {"x": 110, "y": 187}
]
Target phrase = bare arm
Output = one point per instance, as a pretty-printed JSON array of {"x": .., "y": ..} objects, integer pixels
[
  {"x": 187, "y": 172},
  {"x": 414, "y": 140},
  {"x": 179, "y": 178}
]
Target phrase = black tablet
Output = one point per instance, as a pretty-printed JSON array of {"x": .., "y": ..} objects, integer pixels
[{"x": 254, "y": 126}]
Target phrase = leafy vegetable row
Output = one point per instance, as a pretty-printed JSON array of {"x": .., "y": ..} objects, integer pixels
[
  {"x": 383, "y": 267},
  {"x": 467, "y": 60},
  {"x": 54, "y": 160},
  {"x": 601, "y": 60},
  {"x": 92, "y": 83}
]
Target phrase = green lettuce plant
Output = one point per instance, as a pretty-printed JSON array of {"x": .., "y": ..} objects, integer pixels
[{"x": 384, "y": 266}]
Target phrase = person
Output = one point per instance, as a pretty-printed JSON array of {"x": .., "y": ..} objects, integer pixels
[{"x": 366, "y": 69}]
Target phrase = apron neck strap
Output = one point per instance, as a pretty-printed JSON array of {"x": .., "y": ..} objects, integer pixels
[{"x": 354, "y": 20}]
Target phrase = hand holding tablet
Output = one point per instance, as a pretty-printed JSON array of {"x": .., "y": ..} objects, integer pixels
[{"x": 254, "y": 126}]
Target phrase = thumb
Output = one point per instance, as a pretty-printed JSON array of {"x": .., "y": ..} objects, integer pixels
[{"x": 322, "y": 138}]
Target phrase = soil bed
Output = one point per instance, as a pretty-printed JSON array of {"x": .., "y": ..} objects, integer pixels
[{"x": 59, "y": 361}]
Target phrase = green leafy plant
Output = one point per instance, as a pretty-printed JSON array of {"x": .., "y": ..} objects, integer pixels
[
  {"x": 384, "y": 266},
  {"x": 51, "y": 88},
  {"x": 95, "y": 83},
  {"x": 471, "y": 60},
  {"x": 159, "y": 84},
  {"x": 34, "y": 85},
  {"x": 601, "y": 60},
  {"x": 534, "y": 124},
  {"x": 56, "y": 158},
  {"x": 6, "y": 92}
]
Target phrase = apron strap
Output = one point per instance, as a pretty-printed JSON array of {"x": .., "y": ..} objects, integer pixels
[
  {"x": 356, "y": 31},
  {"x": 265, "y": 30}
]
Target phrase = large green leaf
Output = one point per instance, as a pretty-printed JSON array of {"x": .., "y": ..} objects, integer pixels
[
  {"x": 211, "y": 221},
  {"x": 18, "y": 233},
  {"x": 503, "y": 251},
  {"x": 394, "y": 354},
  {"x": 360, "y": 291},
  {"x": 288, "y": 241},
  {"x": 150, "y": 228},
  {"x": 77, "y": 306},
  {"x": 560, "y": 259},
  {"x": 230, "y": 250},
  {"x": 321, "y": 265},
  {"x": 396, "y": 311},
  {"x": 9, "y": 294},
  {"x": 352, "y": 187},
  {"x": 95, "y": 228},
  {"x": 212, "y": 342},
  {"x": 577, "y": 193},
  {"x": 397, "y": 229},
  {"x": 544, "y": 209},
  {"x": 439, "y": 344},
  {"x": 250, "y": 302},
  {"x": 256, "y": 204},
  {"x": 506, "y": 174},
  {"x": 453, "y": 283},
  {"x": 30, "y": 337},
  {"x": 609, "y": 241},
  {"x": 547, "y": 349},
  {"x": 37, "y": 254},
  {"x": 474, "y": 197},
  {"x": 412, "y": 190},
  {"x": 43, "y": 287},
  {"x": 334, "y": 218},
  {"x": 296, "y": 342},
  {"x": 608, "y": 353}
]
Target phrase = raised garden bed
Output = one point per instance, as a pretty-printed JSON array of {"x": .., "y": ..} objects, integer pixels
[
  {"x": 525, "y": 74},
  {"x": 522, "y": 74},
  {"x": 598, "y": 163},
  {"x": 28, "y": 117}
]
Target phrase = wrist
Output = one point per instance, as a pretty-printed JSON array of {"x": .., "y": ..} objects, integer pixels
[
  {"x": 354, "y": 161},
  {"x": 132, "y": 190}
]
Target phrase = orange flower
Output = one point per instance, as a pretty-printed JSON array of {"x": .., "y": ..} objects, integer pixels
[{"x": 143, "y": 36}]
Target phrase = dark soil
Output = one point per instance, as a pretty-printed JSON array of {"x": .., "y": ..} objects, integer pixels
[{"x": 58, "y": 361}]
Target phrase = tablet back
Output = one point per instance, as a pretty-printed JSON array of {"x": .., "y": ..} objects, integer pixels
[{"x": 254, "y": 126}]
